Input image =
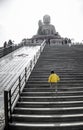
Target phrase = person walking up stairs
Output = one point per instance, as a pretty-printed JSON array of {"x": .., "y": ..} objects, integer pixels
[{"x": 53, "y": 79}]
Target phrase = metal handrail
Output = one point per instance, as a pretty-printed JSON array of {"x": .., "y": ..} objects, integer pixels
[{"x": 14, "y": 89}]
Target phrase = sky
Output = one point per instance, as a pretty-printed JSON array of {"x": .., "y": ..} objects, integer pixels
[{"x": 19, "y": 18}]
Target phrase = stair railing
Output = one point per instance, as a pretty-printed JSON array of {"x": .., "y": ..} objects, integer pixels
[{"x": 14, "y": 89}]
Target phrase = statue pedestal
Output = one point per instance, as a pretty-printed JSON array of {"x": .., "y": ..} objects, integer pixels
[
  {"x": 45, "y": 36},
  {"x": 53, "y": 38}
]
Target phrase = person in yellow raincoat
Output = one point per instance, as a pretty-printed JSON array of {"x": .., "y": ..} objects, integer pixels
[{"x": 53, "y": 79}]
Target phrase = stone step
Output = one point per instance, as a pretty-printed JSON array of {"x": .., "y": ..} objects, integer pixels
[
  {"x": 47, "y": 126},
  {"x": 47, "y": 85},
  {"x": 59, "y": 93},
  {"x": 44, "y": 105},
  {"x": 61, "y": 82},
  {"x": 52, "y": 104},
  {"x": 51, "y": 97},
  {"x": 69, "y": 108},
  {"x": 49, "y": 89},
  {"x": 62, "y": 75},
  {"x": 46, "y": 71},
  {"x": 47, "y": 118},
  {"x": 61, "y": 78}
]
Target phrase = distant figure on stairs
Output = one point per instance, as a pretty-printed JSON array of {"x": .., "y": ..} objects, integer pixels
[{"x": 53, "y": 79}]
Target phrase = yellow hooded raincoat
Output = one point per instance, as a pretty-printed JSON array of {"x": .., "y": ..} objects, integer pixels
[{"x": 53, "y": 78}]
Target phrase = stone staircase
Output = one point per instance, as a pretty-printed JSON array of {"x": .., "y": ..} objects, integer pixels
[{"x": 40, "y": 107}]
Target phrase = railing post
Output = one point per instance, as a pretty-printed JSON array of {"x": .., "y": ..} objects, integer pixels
[
  {"x": 10, "y": 106},
  {"x": 40, "y": 50},
  {"x": 6, "y": 109},
  {"x": 34, "y": 60},
  {"x": 19, "y": 85},
  {"x": 25, "y": 75},
  {"x": 30, "y": 65}
]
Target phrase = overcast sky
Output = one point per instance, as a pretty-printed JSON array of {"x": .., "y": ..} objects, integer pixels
[{"x": 19, "y": 18}]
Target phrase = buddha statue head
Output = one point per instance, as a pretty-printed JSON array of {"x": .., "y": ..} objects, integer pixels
[{"x": 46, "y": 19}]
